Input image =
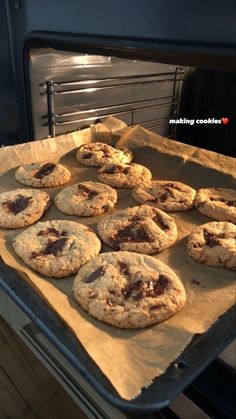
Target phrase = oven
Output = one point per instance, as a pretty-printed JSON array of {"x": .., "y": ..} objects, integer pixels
[{"x": 68, "y": 65}]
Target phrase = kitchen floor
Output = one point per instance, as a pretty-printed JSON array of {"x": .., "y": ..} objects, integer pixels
[{"x": 27, "y": 390}]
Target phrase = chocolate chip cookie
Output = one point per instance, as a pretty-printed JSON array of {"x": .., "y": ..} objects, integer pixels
[
  {"x": 22, "y": 207},
  {"x": 142, "y": 229},
  {"x": 98, "y": 154},
  {"x": 86, "y": 199},
  {"x": 42, "y": 174},
  {"x": 128, "y": 290},
  {"x": 217, "y": 203},
  {"x": 57, "y": 248},
  {"x": 124, "y": 175},
  {"x": 214, "y": 244},
  {"x": 165, "y": 195}
]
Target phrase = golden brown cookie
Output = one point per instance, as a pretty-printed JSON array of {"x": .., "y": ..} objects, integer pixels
[
  {"x": 141, "y": 229},
  {"x": 98, "y": 154},
  {"x": 128, "y": 290},
  {"x": 214, "y": 244},
  {"x": 57, "y": 248},
  {"x": 22, "y": 207},
  {"x": 43, "y": 174}
]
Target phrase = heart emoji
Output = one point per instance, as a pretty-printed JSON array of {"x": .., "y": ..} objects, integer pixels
[{"x": 225, "y": 120}]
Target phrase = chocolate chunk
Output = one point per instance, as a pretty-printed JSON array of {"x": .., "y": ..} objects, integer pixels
[
  {"x": 210, "y": 239},
  {"x": 95, "y": 275},
  {"x": 201, "y": 204},
  {"x": 123, "y": 268},
  {"x": 161, "y": 198},
  {"x": 87, "y": 155},
  {"x": 49, "y": 230},
  {"x": 162, "y": 285},
  {"x": 172, "y": 185},
  {"x": 106, "y": 208},
  {"x": 157, "y": 306},
  {"x": 86, "y": 191},
  {"x": 45, "y": 170},
  {"x": 231, "y": 203},
  {"x": 135, "y": 235},
  {"x": 126, "y": 170},
  {"x": 116, "y": 169},
  {"x": 18, "y": 205},
  {"x": 141, "y": 294},
  {"x": 134, "y": 286},
  {"x": 110, "y": 170},
  {"x": 113, "y": 169},
  {"x": 159, "y": 221},
  {"x": 52, "y": 248}
]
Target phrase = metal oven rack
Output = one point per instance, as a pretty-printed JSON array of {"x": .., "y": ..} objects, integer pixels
[
  {"x": 159, "y": 110},
  {"x": 71, "y": 91}
]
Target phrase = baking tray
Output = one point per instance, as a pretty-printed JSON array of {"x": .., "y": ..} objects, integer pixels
[{"x": 199, "y": 353}]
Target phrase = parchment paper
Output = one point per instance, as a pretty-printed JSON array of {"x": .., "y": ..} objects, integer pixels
[{"x": 132, "y": 359}]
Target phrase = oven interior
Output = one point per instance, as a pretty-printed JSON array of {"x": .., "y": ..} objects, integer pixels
[{"x": 68, "y": 91}]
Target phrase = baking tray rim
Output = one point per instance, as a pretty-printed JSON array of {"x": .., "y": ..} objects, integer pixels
[{"x": 164, "y": 388}]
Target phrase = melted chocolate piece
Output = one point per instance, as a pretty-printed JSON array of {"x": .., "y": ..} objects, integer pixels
[
  {"x": 154, "y": 288},
  {"x": 156, "y": 306},
  {"x": 18, "y": 205},
  {"x": 172, "y": 185},
  {"x": 158, "y": 220},
  {"x": 162, "y": 285},
  {"x": 45, "y": 170},
  {"x": 95, "y": 275},
  {"x": 141, "y": 294},
  {"x": 49, "y": 230},
  {"x": 137, "y": 235},
  {"x": 201, "y": 204},
  {"x": 161, "y": 198},
  {"x": 126, "y": 170},
  {"x": 110, "y": 170},
  {"x": 86, "y": 191},
  {"x": 106, "y": 208},
  {"x": 52, "y": 248},
  {"x": 134, "y": 286},
  {"x": 123, "y": 268},
  {"x": 210, "y": 239},
  {"x": 87, "y": 155},
  {"x": 113, "y": 169}
]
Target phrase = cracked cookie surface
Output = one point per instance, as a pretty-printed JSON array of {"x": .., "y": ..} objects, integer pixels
[
  {"x": 217, "y": 203},
  {"x": 99, "y": 154},
  {"x": 165, "y": 195},
  {"x": 86, "y": 199},
  {"x": 22, "y": 207},
  {"x": 128, "y": 290},
  {"x": 214, "y": 244},
  {"x": 142, "y": 229},
  {"x": 57, "y": 248},
  {"x": 42, "y": 174}
]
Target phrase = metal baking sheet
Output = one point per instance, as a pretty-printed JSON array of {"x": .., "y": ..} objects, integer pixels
[{"x": 162, "y": 391}]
